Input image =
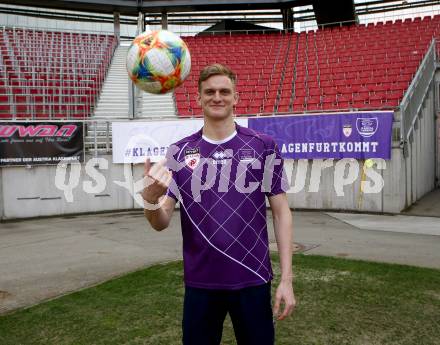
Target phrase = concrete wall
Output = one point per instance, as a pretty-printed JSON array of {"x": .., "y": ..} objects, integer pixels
[
  {"x": 104, "y": 186},
  {"x": 437, "y": 119},
  {"x": 437, "y": 175},
  {"x": 394, "y": 191},
  {"x": 381, "y": 189},
  {"x": 1, "y": 195},
  {"x": 420, "y": 162},
  {"x": 33, "y": 192},
  {"x": 319, "y": 184}
]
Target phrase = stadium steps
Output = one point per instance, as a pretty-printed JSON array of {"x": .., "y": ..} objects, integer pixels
[
  {"x": 156, "y": 106},
  {"x": 113, "y": 101},
  {"x": 112, "y": 104},
  {"x": 291, "y": 46}
]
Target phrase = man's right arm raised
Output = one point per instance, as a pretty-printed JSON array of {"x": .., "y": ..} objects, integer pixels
[{"x": 158, "y": 207}]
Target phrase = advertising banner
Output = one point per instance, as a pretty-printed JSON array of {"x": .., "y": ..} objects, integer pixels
[
  {"x": 360, "y": 135},
  {"x": 134, "y": 141},
  {"x": 32, "y": 143}
]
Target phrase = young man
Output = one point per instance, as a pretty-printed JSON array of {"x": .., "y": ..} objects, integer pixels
[{"x": 221, "y": 176}]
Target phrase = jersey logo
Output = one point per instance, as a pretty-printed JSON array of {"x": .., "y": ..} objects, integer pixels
[
  {"x": 246, "y": 155},
  {"x": 221, "y": 157},
  {"x": 192, "y": 157}
]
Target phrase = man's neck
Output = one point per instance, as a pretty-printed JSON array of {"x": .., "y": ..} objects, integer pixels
[{"x": 218, "y": 130}]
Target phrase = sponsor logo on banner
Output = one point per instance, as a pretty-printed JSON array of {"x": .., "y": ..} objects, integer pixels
[
  {"x": 246, "y": 155},
  {"x": 347, "y": 130},
  {"x": 367, "y": 126},
  {"x": 192, "y": 157},
  {"x": 34, "y": 143},
  {"x": 38, "y": 131}
]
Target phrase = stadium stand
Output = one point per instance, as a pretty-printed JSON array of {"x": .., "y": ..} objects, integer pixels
[
  {"x": 367, "y": 67},
  {"x": 51, "y": 75},
  {"x": 59, "y": 75}
]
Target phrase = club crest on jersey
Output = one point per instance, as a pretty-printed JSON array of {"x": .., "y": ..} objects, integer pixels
[{"x": 192, "y": 157}]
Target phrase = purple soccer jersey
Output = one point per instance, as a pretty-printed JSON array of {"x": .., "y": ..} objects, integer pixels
[{"x": 221, "y": 187}]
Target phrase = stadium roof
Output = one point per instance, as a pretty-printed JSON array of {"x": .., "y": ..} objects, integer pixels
[
  {"x": 325, "y": 11},
  {"x": 133, "y": 7},
  {"x": 208, "y": 12}
]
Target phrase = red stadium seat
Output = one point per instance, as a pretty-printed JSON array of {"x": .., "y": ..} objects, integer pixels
[
  {"x": 35, "y": 68},
  {"x": 362, "y": 66}
]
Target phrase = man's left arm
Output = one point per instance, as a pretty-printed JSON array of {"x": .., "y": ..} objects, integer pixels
[{"x": 283, "y": 226}]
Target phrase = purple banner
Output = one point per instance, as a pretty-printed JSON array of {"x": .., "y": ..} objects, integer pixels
[{"x": 345, "y": 135}]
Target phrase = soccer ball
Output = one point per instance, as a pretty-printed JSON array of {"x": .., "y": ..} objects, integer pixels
[{"x": 158, "y": 61}]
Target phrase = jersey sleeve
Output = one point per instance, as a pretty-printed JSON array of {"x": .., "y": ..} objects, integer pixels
[
  {"x": 275, "y": 179},
  {"x": 172, "y": 165}
]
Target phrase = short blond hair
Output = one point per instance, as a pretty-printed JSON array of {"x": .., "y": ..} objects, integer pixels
[{"x": 216, "y": 69}]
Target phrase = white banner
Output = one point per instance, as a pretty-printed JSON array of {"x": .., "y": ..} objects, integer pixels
[{"x": 134, "y": 141}]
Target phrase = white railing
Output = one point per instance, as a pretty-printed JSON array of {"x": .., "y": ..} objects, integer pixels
[{"x": 412, "y": 101}]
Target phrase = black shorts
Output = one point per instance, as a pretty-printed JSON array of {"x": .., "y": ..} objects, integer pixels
[{"x": 204, "y": 312}]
